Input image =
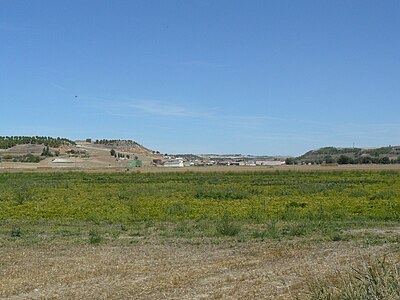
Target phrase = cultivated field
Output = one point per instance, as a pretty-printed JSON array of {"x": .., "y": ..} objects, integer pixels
[
  {"x": 195, "y": 235},
  {"x": 102, "y": 165}
]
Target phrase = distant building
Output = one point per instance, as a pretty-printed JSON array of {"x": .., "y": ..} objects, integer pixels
[
  {"x": 269, "y": 163},
  {"x": 174, "y": 164},
  {"x": 62, "y": 161},
  {"x": 157, "y": 161}
]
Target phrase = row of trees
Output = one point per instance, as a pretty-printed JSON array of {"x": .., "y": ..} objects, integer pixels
[
  {"x": 345, "y": 159},
  {"x": 121, "y": 155},
  {"x": 115, "y": 142},
  {"x": 46, "y": 152},
  {"x": 11, "y": 141},
  {"x": 353, "y": 152},
  {"x": 334, "y": 150}
]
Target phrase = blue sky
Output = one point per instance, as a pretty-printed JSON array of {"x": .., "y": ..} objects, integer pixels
[{"x": 250, "y": 77}]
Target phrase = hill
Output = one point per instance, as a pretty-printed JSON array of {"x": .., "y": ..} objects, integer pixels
[
  {"x": 107, "y": 153},
  {"x": 31, "y": 149},
  {"x": 124, "y": 146},
  {"x": 49, "y": 151},
  {"x": 7, "y": 142},
  {"x": 389, "y": 154}
]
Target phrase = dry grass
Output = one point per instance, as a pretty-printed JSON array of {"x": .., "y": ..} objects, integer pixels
[
  {"x": 372, "y": 278},
  {"x": 105, "y": 164},
  {"x": 38, "y": 261},
  {"x": 173, "y": 269}
]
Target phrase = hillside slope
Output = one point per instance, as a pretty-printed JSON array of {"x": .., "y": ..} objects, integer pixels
[{"x": 350, "y": 155}]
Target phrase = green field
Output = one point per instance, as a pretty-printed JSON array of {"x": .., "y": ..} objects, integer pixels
[
  {"x": 96, "y": 208},
  {"x": 324, "y": 235}
]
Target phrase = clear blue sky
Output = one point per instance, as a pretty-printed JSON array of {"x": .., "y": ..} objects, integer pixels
[{"x": 250, "y": 77}]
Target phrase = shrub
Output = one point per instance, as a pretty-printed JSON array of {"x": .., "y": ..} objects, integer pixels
[
  {"x": 16, "y": 232},
  {"x": 296, "y": 204},
  {"x": 22, "y": 195},
  {"x": 227, "y": 226},
  {"x": 94, "y": 237},
  {"x": 222, "y": 194}
]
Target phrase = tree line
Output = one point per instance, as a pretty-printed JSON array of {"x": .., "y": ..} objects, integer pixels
[
  {"x": 121, "y": 155},
  {"x": 344, "y": 160},
  {"x": 115, "y": 142},
  {"x": 11, "y": 141}
]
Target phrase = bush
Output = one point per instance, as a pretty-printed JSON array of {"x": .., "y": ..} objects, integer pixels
[
  {"x": 31, "y": 158},
  {"x": 344, "y": 160},
  {"x": 222, "y": 194},
  {"x": 94, "y": 237},
  {"x": 22, "y": 195},
  {"x": 16, "y": 232},
  {"x": 227, "y": 226}
]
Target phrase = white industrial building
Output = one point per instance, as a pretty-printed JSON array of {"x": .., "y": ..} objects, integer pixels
[
  {"x": 269, "y": 163},
  {"x": 174, "y": 164}
]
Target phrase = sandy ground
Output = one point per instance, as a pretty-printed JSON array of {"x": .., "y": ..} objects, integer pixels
[{"x": 173, "y": 270}]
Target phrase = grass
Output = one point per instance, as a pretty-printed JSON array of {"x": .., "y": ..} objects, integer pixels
[
  {"x": 260, "y": 205},
  {"x": 243, "y": 225},
  {"x": 227, "y": 226},
  {"x": 375, "y": 279},
  {"x": 94, "y": 237}
]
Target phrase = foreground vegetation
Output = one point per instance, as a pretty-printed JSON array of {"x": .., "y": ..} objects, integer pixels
[
  {"x": 280, "y": 205},
  {"x": 254, "y": 212},
  {"x": 376, "y": 279}
]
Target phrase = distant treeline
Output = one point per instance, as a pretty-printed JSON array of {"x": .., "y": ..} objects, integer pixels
[
  {"x": 11, "y": 141},
  {"x": 342, "y": 156},
  {"x": 353, "y": 151},
  {"x": 344, "y": 160},
  {"x": 112, "y": 142}
]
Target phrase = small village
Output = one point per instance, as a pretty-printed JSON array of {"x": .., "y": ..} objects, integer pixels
[{"x": 179, "y": 162}]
